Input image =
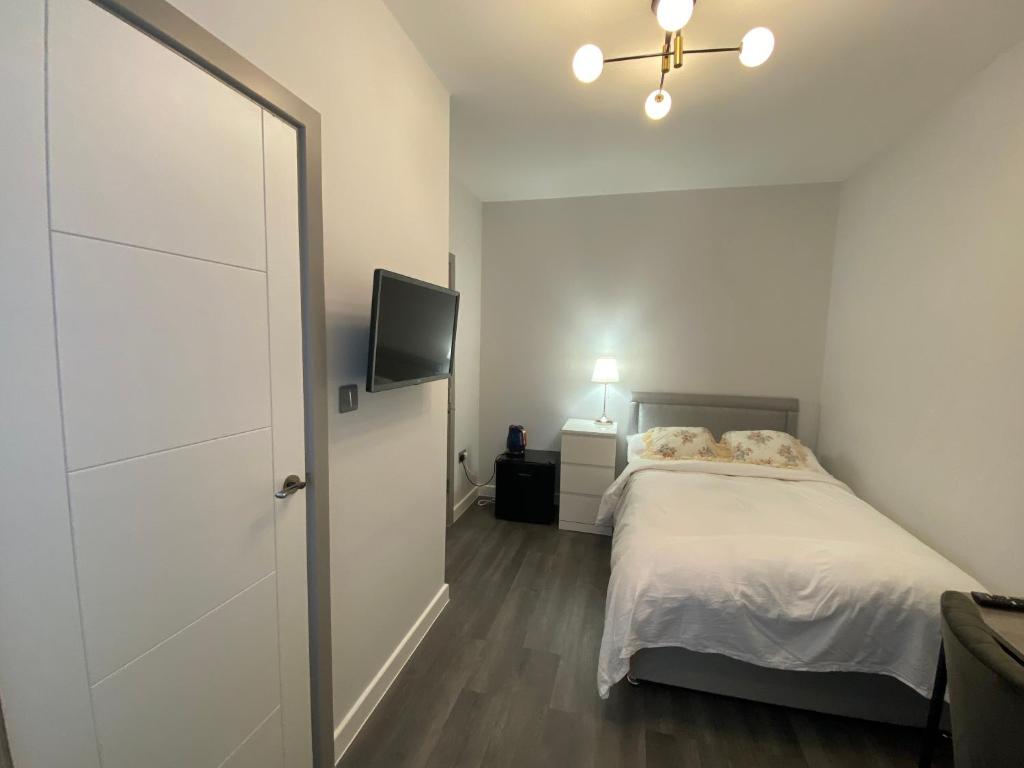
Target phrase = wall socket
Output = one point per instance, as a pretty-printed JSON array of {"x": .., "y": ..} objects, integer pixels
[
  {"x": 348, "y": 398},
  {"x": 462, "y": 455}
]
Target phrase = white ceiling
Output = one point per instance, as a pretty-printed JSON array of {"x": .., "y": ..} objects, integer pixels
[{"x": 847, "y": 78}]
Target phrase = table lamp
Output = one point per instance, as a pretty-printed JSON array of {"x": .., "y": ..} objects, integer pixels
[{"x": 606, "y": 371}]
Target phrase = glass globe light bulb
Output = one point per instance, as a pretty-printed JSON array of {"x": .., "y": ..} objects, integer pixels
[
  {"x": 757, "y": 46},
  {"x": 658, "y": 104},
  {"x": 588, "y": 63},
  {"x": 674, "y": 14}
]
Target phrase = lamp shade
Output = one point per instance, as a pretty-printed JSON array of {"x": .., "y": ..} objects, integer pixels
[
  {"x": 673, "y": 14},
  {"x": 606, "y": 371},
  {"x": 588, "y": 63},
  {"x": 658, "y": 104},
  {"x": 757, "y": 46}
]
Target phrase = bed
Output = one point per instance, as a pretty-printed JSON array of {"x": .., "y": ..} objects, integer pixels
[{"x": 765, "y": 583}]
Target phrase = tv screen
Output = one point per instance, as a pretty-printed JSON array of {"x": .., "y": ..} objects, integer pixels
[{"x": 412, "y": 332}]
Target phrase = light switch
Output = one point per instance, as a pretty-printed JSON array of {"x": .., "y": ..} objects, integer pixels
[{"x": 348, "y": 398}]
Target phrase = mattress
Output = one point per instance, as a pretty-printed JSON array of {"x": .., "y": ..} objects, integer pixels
[{"x": 781, "y": 568}]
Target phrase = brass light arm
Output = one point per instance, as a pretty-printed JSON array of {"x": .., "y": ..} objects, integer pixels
[
  {"x": 666, "y": 59},
  {"x": 660, "y": 54},
  {"x": 734, "y": 49}
]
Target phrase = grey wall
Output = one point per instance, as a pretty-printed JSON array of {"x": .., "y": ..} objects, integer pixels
[
  {"x": 466, "y": 242},
  {"x": 717, "y": 291},
  {"x": 385, "y": 183},
  {"x": 924, "y": 370}
]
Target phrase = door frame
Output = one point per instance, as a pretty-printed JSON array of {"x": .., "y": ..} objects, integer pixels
[
  {"x": 169, "y": 26},
  {"x": 450, "y": 464}
]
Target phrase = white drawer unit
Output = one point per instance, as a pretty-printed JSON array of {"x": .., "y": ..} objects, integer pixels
[
  {"x": 578, "y": 449},
  {"x": 588, "y": 468},
  {"x": 577, "y": 508},
  {"x": 586, "y": 478}
]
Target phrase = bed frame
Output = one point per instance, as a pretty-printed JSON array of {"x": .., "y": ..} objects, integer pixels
[{"x": 852, "y": 694}]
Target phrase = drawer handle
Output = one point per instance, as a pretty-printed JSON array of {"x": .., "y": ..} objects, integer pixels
[{"x": 523, "y": 474}]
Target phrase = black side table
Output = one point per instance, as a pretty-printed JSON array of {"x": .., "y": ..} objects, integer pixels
[{"x": 526, "y": 487}]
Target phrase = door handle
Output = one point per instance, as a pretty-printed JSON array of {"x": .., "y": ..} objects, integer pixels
[{"x": 292, "y": 483}]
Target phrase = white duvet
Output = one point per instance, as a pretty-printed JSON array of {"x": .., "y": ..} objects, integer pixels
[{"x": 777, "y": 567}]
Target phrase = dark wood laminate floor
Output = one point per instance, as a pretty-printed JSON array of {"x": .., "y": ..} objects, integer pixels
[{"x": 506, "y": 677}]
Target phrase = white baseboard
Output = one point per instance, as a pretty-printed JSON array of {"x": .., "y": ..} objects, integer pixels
[
  {"x": 488, "y": 490},
  {"x": 601, "y": 530},
  {"x": 466, "y": 503},
  {"x": 347, "y": 730}
]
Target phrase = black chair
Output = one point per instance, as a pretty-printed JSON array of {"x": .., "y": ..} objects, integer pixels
[{"x": 986, "y": 689}]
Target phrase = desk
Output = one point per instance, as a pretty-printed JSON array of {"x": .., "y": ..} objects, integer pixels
[{"x": 1008, "y": 628}]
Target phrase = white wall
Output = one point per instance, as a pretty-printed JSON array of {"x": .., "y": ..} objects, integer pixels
[
  {"x": 465, "y": 240},
  {"x": 715, "y": 291},
  {"x": 385, "y": 184},
  {"x": 924, "y": 370}
]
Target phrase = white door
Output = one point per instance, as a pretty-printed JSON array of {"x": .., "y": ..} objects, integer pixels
[{"x": 175, "y": 263}]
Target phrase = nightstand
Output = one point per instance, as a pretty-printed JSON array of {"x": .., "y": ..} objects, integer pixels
[
  {"x": 525, "y": 487},
  {"x": 588, "y": 468}
]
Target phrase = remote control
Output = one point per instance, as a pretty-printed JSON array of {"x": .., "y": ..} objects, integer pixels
[{"x": 1001, "y": 602}]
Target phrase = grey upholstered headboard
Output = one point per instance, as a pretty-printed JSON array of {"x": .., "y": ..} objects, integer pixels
[{"x": 719, "y": 413}]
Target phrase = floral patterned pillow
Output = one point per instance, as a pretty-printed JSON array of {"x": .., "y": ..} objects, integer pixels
[
  {"x": 766, "y": 446},
  {"x": 679, "y": 443}
]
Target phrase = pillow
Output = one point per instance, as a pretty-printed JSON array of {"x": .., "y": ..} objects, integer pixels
[
  {"x": 768, "y": 447},
  {"x": 679, "y": 443},
  {"x": 634, "y": 447}
]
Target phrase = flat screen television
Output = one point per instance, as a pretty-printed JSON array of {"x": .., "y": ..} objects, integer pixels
[{"x": 412, "y": 332}]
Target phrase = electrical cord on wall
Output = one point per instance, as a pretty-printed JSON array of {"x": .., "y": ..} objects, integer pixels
[
  {"x": 488, "y": 482},
  {"x": 481, "y": 501}
]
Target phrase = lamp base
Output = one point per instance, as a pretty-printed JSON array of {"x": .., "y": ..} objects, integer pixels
[{"x": 604, "y": 408}]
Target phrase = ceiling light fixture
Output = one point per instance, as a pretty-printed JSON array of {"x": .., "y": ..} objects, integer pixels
[
  {"x": 588, "y": 63},
  {"x": 754, "y": 50},
  {"x": 756, "y": 47},
  {"x": 658, "y": 104},
  {"x": 673, "y": 14}
]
